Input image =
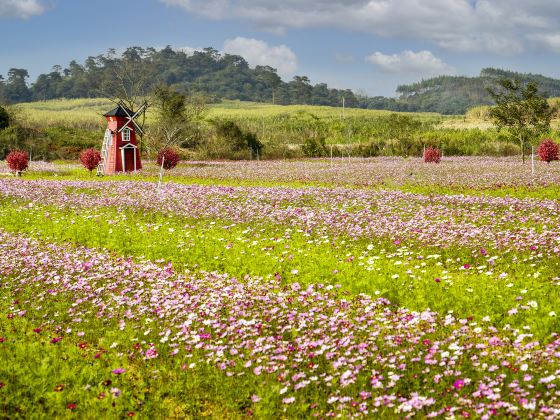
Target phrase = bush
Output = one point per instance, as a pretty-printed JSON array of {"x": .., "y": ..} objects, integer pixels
[
  {"x": 169, "y": 157},
  {"x": 314, "y": 147},
  {"x": 18, "y": 161},
  {"x": 90, "y": 158},
  {"x": 432, "y": 155},
  {"x": 4, "y": 118},
  {"x": 548, "y": 150}
]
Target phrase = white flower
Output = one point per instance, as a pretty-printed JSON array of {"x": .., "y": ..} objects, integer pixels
[
  {"x": 552, "y": 313},
  {"x": 533, "y": 304}
]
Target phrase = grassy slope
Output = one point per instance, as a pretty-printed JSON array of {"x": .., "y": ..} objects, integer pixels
[{"x": 89, "y": 111}]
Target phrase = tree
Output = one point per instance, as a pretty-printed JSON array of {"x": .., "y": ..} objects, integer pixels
[
  {"x": 2, "y": 90},
  {"x": 548, "y": 150},
  {"x": 18, "y": 161},
  {"x": 16, "y": 89},
  {"x": 90, "y": 158},
  {"x": 521, "y": 110},
  {"x": 403, "y": 128},
  {"x": 177, "y": 119},
  {"x": 169, "y": 157},
  {"x": 268, "y": 75},
  {"x": 4, "y": 118},
  {"x": 300, "y": 90}
]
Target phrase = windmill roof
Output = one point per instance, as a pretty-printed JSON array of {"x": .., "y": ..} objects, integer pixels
[{"x": 119, "y": 111}]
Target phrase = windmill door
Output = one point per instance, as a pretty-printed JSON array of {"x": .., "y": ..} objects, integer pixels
[{"x": 128, "y": 159}]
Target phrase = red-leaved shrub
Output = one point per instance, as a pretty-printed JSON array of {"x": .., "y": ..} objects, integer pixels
[
  {"x": 171, "y": 158},
  {"x": 90, "y": 158},
  {"x": 548, "y": 150},
  {"x": 18, "y": 161},
  {"x": 432, "y": 155}
]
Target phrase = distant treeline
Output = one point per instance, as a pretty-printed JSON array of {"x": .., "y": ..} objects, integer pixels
[
  {"x": 225, "y": 76},
  {"x": 220, "y": 76},
  {"x": 454, "y": 95}
]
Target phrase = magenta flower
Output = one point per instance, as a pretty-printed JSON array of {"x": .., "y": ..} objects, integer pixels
[
  {"x": 458, "y": 384},
  {"x": 118, "y": 371}
]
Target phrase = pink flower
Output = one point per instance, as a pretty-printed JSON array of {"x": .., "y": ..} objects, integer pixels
[
  {"x": 151, "y": 353},
  {"x": 118, "y": 371}
]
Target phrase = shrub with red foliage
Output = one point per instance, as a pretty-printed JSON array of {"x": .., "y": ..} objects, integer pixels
[
  {"x": 18, "y": 161},
  {"x": 90, "y": 158},
  {"x": 548, "y": 150},
  {"x": 171, "y": 158},
  {"x": 432, "y": 155}
]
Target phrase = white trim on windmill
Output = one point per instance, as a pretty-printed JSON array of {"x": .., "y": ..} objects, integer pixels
[
  {"x": 123, "y": 160},
  {"x": 131, "y": 118}
]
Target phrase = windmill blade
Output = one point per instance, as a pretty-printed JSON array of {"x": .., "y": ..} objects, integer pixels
[{"x": 131, "y": 119}]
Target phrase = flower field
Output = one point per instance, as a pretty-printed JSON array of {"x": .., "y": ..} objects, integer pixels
[{"x": 378, "y": 288}]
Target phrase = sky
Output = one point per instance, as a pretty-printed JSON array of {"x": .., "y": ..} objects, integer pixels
[{"x": 369, "y": 46}]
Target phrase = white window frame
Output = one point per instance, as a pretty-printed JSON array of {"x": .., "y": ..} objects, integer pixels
[{"x": 126, "y": 134}]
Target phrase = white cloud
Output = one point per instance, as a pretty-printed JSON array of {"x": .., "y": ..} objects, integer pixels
[
  {"x": 258, "y": 52},
  {"x": 189, "y": 50},
  {"x": 22, "y": 9},
  {"x": 498, "y": 26},
  {"x": 422, "y": 63}
]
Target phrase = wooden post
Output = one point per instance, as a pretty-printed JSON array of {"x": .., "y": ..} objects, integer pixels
[
  {"x": 533, "y": 160},
  {"x": 161, "y": 172}
]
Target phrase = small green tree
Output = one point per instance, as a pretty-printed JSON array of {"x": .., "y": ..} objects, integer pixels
[
  {"x": 177, "y": 119},
  {"x": 521, "y": 110},
  {"x": 4, "y": 118}
]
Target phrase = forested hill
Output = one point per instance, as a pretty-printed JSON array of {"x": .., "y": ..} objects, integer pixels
[
  {"x": 455, "y": 94},
  {"x": 224, "y": 76},
  {"x": 221, "y": 76}
]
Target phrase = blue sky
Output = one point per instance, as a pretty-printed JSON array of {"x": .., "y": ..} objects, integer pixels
[{"x": 366, "y": 45}]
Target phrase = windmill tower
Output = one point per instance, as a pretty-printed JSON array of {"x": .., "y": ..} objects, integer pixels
[{"x": 120, "y": 150}]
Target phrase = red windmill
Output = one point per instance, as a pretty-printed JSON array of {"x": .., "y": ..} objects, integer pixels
[{"x": 120, "y": 150}]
